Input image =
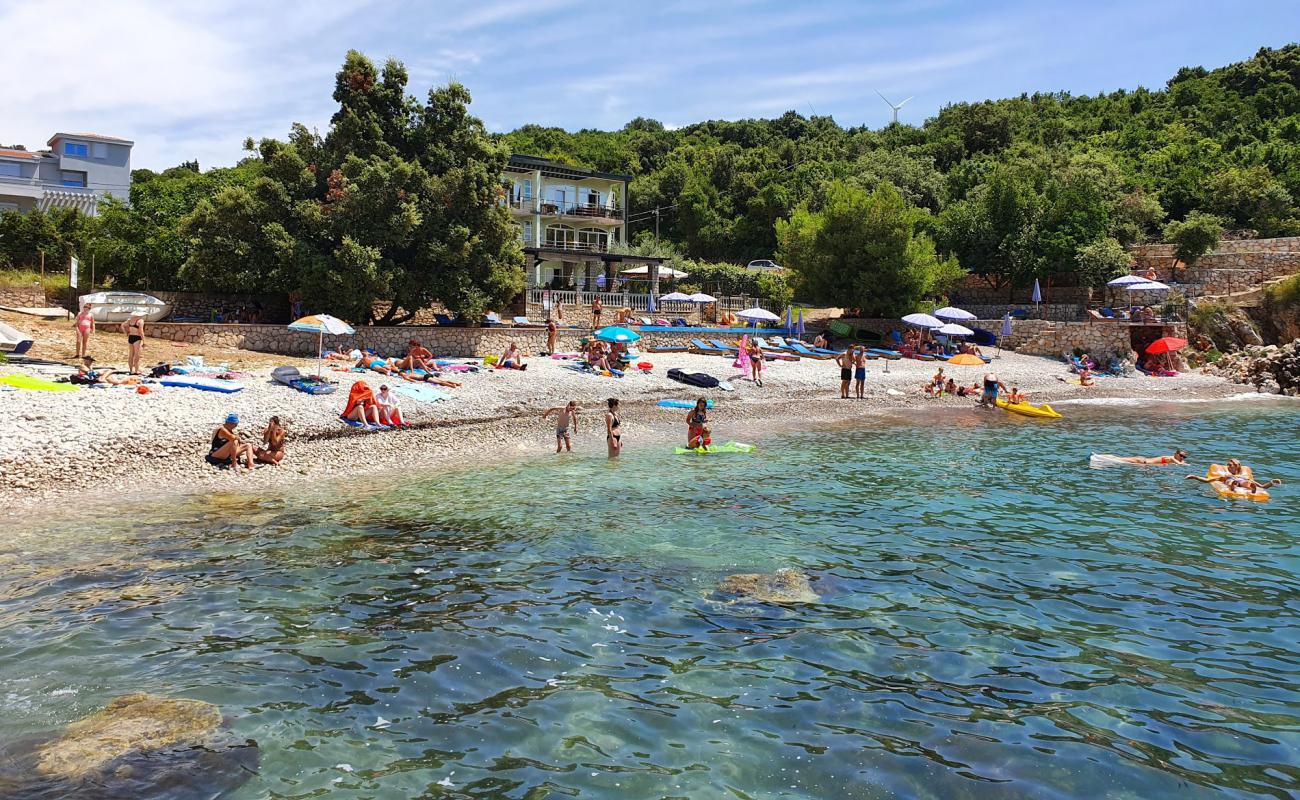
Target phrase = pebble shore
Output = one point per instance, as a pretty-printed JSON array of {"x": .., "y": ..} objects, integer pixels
[{"x": 117, "y": 442}]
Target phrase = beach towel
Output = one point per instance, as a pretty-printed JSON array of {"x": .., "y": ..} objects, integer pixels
[
  {"x": 425, "y": 394},
  {"x": 36, "y": 384},
  {"x": 359, "y": 393}
]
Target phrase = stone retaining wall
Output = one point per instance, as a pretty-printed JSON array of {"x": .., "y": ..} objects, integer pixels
[
  {"x": 1038, "y": 337},
  {"x": 22, "y": 297},
  {"x": 443, "y": 341},
  {"x": 1234, "y": 266}
]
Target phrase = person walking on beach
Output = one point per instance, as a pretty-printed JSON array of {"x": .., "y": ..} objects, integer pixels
[
  {"x": 566, "y": 423},
  {"x": 272, "y": 451},
  {"x": 860, "y": 371},
  {"x": 134, "y": 330},
  {"x": 84, "y": 324},
  {"x": 989, "y": 399},
  {"x": 596, "y": 308},
  {"x": 845, "y": 360},
  {"x": 551, "y": 330},
  {"x": 613, "y": 436},
  {"x": 755, "y": 355}
]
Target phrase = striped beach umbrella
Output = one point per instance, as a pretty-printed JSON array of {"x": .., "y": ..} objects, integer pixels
[{"x": 321, "y": 324}]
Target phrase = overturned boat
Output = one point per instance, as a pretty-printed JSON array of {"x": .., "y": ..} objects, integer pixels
[{"x": 121, "y": 306}]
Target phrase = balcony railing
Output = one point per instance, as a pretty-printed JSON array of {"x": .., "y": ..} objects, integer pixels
[
  {"x": 557, "y": 208},
  {"x": 574, "y": 246},
  {"x": 639, "y": 300}
]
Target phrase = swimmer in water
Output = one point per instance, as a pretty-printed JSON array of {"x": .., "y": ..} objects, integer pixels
[{"x": 1179, "y": 457}]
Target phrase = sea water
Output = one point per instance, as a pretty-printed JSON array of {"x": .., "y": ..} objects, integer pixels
[{"x": 997, "y": 619}]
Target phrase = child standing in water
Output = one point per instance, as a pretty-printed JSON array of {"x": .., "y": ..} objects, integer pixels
[
  {"x": 697, "y": 421},
  {"x": 566, "y": 418}
]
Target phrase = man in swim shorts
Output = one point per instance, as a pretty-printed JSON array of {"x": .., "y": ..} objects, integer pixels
[
  {"x": 989, "y": 398},
  {"x": 845, "y": 360},
  {"x": 566, "y": 418}
]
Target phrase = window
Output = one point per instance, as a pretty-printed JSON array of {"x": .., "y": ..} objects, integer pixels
[
  {"x": 559, "y": 236},
  {"x": 11, "y": 170},
  {"x": 75, "y": 149},
  {"x": 526, "y": 189},
  {"x": 71, "y": 178},
  {"x": 526, "y": 233},
  {"x": 593, "y": 239},
  {"x": 100, "y": 149}
]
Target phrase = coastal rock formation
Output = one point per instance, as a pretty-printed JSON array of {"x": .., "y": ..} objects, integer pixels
[
  {"x": 133, "y": 722},
  {"x": 138, "y": 746},
  {"x": 1271, "y": 369},
  {"x": 783, "y": 586}
]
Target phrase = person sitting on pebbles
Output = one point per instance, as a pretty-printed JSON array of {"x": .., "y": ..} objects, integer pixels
[
  {"x": 512, "y": 358},
  {"x": 227, "y": 446},
  {"x": 272, "y": 449},
  {"x": 390, "y": 413}
]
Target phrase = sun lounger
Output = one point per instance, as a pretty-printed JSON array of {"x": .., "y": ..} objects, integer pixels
[
  {"x": 806, "y": 352},
  {"x": 698, "y": 346},
  {"x": 680, "y": 322},
  {"x": 774, "y": 352},
  {"x": 491, "y": 319},
  {"x": 891, "y": 355},
  {"x": 730, "y": 348},
  {"x": 523, "y": 321},
  {"x": 668, "y": 348}
]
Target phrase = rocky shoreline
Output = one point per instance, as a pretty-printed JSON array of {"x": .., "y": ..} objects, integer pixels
[{"x": 1272, "y": 369}]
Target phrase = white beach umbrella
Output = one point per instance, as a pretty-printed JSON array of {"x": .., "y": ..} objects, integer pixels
[
  {"x": 680, "y": 297},
  {"x": 953, "y": 329},
  {"x": 701, "y": 297},
  {"x": 948, "y": 312},
  {"x": 758, "y": 315},
  {"x": 1147, "y": 286},
  {"x": 664, "y": 272},
  {"x": 1127, "y": 280},
  {"x": 923, "y": 321}
]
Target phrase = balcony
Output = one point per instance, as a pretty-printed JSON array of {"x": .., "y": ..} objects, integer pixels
[
  {"x": 573, "y": 246},
  {"x": 556, "y": 208}
]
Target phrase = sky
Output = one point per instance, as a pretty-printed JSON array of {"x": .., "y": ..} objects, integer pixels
[{"x": 192, "y": 80}]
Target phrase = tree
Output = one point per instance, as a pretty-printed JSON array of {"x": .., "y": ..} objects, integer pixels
[
  {"x": 1251, "y": 197},
  {"x": 992, "y": 232},
  {"x": 1195, "y": 236},
  {"x": 1100, "y": 261},
  {"x": 863, "y": 250},
  {"x": 398, "y": 202}
]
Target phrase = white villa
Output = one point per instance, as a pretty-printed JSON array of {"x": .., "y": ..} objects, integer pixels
[
  {"x": 78, "y": 170},
  {"x": 568, "y": 218}
]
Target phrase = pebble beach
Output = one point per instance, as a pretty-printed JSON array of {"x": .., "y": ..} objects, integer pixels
[{"x": 117, "y": 441}]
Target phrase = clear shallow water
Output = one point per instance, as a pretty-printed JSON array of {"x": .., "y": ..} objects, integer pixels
[{"x": 998, "y": 620}]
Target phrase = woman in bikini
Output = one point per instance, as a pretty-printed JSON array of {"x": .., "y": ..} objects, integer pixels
[
  {"x": 84, "y": 324},
  {"x": 227, "y": 447},
  {"x": 273, "y": 439},
  {"x": 134, "y": 330},
  {"x": 1179, "y": 457},
  {"x": 613, "y": 436},
  {"x": 697, "y": 420},
  {"x": 755, "y": 355}
]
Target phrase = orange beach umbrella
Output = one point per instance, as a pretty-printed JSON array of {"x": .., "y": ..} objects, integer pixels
[{"x": 966, "y": 359}]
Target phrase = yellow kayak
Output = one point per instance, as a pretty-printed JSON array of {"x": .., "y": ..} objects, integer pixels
[{"x": 1029, "y": 410}]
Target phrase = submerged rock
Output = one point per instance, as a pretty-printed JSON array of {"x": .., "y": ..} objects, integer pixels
[
  {"x": 138, "y": 746},
  {"x": 782, "y": 586}
]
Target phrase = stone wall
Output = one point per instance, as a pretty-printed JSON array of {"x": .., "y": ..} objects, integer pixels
[
  {"x": 452, "y": 341},
  {"x": 1036, "y": 337},
  {"x": 1234, "y": 266},
  {"x": 22, "y": 297}
]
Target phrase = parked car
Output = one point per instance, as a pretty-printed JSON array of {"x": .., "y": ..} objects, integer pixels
[{"x": 762, "y": 263}]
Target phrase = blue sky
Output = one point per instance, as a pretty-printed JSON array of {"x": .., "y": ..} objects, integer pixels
[{"x": 191, "y": 80}]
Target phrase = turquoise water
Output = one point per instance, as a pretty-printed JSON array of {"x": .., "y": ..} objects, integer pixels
[{"x": 998, "y": 619}]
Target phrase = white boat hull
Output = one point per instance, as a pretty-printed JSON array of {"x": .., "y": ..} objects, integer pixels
[
  {"x": 13, "y": 340},
  {"x": 112, "y": 307}
]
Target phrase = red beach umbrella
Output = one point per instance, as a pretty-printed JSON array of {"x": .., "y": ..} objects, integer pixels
[{"x": 1166, "y": 344}]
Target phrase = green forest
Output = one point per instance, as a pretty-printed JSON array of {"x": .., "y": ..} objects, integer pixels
[{"x": 397, "y": 200}]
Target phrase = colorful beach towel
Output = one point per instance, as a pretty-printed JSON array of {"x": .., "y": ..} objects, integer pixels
[{"x": 425, "y": 394}]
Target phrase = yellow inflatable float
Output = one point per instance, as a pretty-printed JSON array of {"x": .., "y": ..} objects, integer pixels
[
  {"x": 1028, "y": 410},
  {"x": 1219, "y": 472}
]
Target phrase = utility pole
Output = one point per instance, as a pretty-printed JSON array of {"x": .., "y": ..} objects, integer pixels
[{"x": 656, "y": 224}]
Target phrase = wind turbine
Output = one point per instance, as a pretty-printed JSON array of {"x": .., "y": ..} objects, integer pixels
[{"x": 891, "y": 105}]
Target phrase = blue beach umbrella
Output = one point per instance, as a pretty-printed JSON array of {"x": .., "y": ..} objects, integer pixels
[
  {"x": 614, "y": 333},
  {"x": 1005, "y": 331}
]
